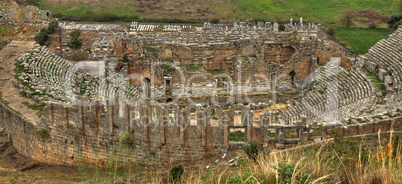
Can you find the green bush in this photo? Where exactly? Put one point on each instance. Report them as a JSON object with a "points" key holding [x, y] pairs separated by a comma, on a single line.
{"points": [[43, 34], [286, 172], [43, 132], [75, 42], [348, 150], [215, 21], [253, 149], [175, 173], [395, 21], [51, 27], [281, 27]]}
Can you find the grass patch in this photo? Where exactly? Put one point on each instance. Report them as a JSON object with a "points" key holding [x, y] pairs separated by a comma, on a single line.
{"points": [[43, 132], [152, 50], [236, 136], [377, 82], [35, 107], [367, 37], [216, 72], [193, 68], [270, 134]]}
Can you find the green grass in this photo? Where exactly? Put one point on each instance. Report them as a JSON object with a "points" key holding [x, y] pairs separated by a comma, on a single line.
{"points": [[367, 37], [270, 134], [377, 82], [236, 136], [193, 68], [215, 72], [316, 11], [35, 107]]}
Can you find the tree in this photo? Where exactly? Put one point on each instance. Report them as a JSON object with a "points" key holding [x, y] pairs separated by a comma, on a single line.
{"points": [[347, 19], [281, 27], [75, 42], [395, 21], [42, 36]]}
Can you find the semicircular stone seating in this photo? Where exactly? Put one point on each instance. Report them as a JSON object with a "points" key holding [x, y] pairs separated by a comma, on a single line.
{"points": [[335, 94], [386, 57], [61, 80]]}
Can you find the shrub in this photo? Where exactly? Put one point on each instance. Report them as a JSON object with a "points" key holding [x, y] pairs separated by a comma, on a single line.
{"points": [[51, 27], [281, 27], [43, 132], [43, 34], [373, 25], [346, 19], [75, 42], [215, 21], [331, 31], [175, 173], [395, 21], [252, 149], [286, 173]]}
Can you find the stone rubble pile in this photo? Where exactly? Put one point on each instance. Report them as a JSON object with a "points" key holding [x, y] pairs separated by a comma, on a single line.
{"points": [[90, 27]]}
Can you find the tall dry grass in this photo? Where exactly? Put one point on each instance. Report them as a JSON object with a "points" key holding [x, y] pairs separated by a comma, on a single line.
{"points": [[343, 160]]}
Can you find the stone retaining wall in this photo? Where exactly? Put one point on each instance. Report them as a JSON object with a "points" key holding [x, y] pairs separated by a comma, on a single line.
{"points": [[91, 134]]}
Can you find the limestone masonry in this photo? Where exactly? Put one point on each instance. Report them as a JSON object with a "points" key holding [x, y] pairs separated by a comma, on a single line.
{"points": [[177, 92]]}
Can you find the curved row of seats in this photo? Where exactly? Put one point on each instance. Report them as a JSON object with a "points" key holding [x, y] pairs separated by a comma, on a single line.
{"points": [[60, 78], [336, 94], [387, 54]]}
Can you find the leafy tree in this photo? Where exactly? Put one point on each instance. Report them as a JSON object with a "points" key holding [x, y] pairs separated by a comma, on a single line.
{"points": [[395, 21], [42, 36], [51, 27], [346, 19], [75, 42]]}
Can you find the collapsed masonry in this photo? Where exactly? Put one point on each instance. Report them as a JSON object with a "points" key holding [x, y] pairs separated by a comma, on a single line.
{"points": [[87, 118]]}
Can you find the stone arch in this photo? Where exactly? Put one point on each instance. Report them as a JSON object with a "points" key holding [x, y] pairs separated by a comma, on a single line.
{"points": [[169, 100], [147, 87], [292, 75]]}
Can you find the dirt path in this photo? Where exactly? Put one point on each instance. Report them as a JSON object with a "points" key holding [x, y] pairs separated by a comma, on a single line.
{"points": [[9, 94]]}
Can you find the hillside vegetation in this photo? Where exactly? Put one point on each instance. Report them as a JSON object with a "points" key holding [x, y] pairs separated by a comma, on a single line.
{"points": [[325, 12]]}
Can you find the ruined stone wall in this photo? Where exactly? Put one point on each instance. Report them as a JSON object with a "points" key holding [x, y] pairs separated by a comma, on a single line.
{"points": [[70, 134], [92, 134], [363, 128]]}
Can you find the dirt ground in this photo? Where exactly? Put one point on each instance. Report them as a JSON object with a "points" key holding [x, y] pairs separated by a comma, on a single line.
{"points": [[9, 94], [15, 168]]}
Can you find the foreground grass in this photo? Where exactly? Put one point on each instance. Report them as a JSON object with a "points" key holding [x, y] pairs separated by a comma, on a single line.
{"points": [[372, 159]]}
